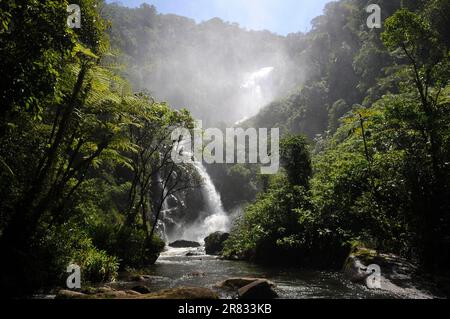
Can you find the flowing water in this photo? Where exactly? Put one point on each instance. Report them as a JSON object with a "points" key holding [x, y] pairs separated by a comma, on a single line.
{"points": [[174, 269], [211, 219], [256, 94]]}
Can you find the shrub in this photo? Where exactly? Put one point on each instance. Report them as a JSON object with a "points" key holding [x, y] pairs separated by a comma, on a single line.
{"points": [[128, 244], [64, 245]]}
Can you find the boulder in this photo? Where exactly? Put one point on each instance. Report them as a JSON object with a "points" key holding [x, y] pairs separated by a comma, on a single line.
{"points": [[355, 267], [355, 270], [141, 289], [116, 294], [95, 290], [214, 243], [184, 244], [193, 254], [183, 293], [260, 289], [237, 283], [188, 293], [104, 290], [132, 293], [136, 278], [69, 294]]}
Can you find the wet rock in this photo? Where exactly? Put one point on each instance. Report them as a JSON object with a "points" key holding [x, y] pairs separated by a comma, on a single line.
{"points": [[237, 283], [132, 293], [193, 254], [69, 294], [184, 244], [188, 293], [355, 270], [141, 289], [259, 289], [137, 278], [104, 290], [119, 294], [397, 276], [214, 243], [182, 293], [95, 290]]}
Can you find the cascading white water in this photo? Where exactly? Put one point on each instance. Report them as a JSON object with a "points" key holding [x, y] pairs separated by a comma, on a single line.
{"points": [[255, 96], [214, 218], [164, 217]]}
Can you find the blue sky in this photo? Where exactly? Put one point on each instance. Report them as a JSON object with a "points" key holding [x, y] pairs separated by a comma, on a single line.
{"points": [[279, 16]]}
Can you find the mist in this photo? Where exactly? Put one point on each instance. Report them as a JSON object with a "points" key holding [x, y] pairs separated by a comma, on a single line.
{"points": [[219, 71]]}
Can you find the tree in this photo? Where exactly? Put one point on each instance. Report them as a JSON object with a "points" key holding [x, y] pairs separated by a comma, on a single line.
{"points": [[152, 163], [419, 45], [295, 158]]}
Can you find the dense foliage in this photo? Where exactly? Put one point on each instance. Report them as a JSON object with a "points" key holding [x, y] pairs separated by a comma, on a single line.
{"points": [[78, 152], [375, 108]]}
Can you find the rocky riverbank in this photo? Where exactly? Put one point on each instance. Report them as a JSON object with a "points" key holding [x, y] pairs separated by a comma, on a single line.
{"points": [[390, 273], [242, 288]]}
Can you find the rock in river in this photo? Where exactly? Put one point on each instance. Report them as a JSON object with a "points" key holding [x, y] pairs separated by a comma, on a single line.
{"points": [[181, 293], [69, 294], [214, 243], [239, 282], [260, 289], [184, 244], [184, 293], [141, 289]]}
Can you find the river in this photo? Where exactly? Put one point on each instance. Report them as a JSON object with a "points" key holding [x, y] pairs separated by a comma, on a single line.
{"points": [[175, 269]]}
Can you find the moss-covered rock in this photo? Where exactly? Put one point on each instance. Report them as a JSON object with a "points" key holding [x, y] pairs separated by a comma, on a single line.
{"points": [[355, 266], [214, 243]]}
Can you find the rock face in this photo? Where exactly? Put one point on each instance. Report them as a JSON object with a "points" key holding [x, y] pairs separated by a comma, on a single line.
{"points": [[184, 244], [259, 289], [397, 276], [214, 243]]}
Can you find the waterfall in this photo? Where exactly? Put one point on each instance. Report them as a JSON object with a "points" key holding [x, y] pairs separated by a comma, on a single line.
{"points": [[256, 93], [164, 218], [214, 218], [164, 213]]}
